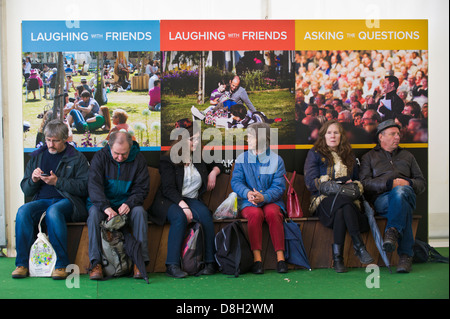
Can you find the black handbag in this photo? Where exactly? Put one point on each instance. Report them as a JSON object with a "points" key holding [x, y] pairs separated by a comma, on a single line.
{"points": [[333, 188]]}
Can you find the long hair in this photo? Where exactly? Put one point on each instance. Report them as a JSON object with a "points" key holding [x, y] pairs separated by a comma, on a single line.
{"points": [[183, 134], [344, 149]]}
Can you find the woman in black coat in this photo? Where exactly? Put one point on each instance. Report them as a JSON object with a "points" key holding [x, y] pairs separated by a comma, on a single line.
{"points": [[184, 179], [332, 160]]}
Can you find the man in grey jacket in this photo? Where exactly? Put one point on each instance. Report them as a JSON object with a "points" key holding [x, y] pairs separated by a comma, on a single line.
{"points": [[56, 177], [392, 178], [239, 94]]}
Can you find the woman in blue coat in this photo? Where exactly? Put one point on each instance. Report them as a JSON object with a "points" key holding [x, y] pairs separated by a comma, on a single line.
{"points": [[332, 159], [258, 180]]}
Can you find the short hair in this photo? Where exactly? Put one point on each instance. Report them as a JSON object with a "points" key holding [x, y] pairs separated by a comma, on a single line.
{"points": [[393, 79], [257, 128], [56, 128], [85, 93], [120, 137]]}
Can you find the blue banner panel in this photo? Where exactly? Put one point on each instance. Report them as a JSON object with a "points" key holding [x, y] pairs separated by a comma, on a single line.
{"points": [[54, 36]]}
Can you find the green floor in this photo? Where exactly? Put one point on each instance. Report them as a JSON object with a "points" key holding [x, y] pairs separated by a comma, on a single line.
{"points": [[426, 281]]}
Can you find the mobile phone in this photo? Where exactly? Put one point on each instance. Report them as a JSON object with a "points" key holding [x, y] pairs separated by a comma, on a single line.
{"points": [[44, 174]]}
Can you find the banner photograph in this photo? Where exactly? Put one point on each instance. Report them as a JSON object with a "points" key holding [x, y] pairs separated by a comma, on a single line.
{"points": [[144, 76]]}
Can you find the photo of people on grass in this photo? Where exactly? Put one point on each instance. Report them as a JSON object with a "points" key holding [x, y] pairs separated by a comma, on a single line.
{"points": [[228, 90], [102, 92], [361, 89]]}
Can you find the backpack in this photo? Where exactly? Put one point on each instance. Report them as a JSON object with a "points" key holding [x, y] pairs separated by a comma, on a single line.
{"points": [[115, 260], [193, 250], [423, 252], [233, 253]]}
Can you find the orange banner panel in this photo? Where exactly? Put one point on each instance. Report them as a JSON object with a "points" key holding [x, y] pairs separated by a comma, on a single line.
{"points": [[224, 35]]}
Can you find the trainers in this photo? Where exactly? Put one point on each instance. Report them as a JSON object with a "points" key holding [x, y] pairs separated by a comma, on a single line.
{"points": [[59, 274], [20, 272], [96, 273], [197, 113], [390, 239], [404, 264]]}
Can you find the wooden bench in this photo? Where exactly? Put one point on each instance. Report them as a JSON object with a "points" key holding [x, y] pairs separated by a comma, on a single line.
{"points": [[317, 239]]}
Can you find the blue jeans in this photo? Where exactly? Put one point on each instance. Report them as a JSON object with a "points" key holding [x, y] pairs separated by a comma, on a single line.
{"points": [[397, 206], [59, 212], [178, 225]]}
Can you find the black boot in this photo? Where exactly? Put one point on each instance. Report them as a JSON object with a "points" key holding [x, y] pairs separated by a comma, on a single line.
{"points": [[338, 259], [360, 250]]}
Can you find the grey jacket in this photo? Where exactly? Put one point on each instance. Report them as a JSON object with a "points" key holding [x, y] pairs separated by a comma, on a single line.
{"points": [[72, 172], [240, 97], [379, 168]]}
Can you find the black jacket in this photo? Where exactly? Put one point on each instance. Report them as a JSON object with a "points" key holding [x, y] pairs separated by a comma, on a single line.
{"points": [[379, 168], [72, 172], [169, 193], [397, 106]]}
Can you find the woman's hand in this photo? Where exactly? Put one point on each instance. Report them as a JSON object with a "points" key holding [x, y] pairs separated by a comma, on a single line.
{"points": [[186, 210], [255, 197], [212, 177]]}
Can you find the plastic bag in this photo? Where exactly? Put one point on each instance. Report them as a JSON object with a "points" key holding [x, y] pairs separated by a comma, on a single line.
{"points": [[228, 208], [42, 255]]}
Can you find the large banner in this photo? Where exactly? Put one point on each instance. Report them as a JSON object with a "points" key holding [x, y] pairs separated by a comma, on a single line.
{"points": [[293, 74], [145, 76]]}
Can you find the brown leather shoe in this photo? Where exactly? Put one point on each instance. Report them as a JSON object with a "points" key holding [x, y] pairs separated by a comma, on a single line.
{"points": [[59, 274], [404, 264], [96, 273], [20, 272], [390, 239], [137, 273]]}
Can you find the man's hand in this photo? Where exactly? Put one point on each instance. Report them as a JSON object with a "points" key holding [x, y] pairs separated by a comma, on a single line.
{"points": [[51, 179], [110, 212], [124, 209], [400, 182], [36, 175]]}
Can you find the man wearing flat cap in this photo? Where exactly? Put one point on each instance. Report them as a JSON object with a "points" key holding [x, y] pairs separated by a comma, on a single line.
{"points": [[392, 178]]}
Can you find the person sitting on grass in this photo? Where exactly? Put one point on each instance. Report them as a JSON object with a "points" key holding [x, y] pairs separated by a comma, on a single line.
{"points": [[120, 118], [86, 114]]}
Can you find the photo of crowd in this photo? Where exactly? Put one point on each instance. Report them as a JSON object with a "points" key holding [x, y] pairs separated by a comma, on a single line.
{"points": [[361, 89]]}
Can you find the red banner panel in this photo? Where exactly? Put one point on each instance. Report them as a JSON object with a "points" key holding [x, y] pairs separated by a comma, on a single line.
{"points": [[223, 35]]}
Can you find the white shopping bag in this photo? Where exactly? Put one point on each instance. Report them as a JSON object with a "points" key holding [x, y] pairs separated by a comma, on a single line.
{"points": [[42, 255], [228, 209]]}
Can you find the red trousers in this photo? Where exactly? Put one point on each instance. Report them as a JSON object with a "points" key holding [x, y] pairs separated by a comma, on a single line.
{"points": [[274, 218]]}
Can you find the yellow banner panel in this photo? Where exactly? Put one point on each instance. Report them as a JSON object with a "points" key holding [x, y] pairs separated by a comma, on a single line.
{"points": [[361, 34]]}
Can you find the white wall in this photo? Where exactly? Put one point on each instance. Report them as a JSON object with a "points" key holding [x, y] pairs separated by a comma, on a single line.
{"points": [[436, 11]]}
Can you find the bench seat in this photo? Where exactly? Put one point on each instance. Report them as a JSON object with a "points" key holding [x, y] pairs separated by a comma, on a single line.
{"points": [[317, 239]]}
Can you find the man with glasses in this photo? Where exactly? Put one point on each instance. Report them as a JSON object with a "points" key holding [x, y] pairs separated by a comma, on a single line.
{"points": [[392, 178], [56, 177]]}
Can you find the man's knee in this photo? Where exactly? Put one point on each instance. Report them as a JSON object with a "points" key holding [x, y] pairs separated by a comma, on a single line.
{"points": [[95, 216], [403, 193], [139, 212]]}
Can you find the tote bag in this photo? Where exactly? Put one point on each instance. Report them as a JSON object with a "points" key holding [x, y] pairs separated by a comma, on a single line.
{"points": [[42, 255]]}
